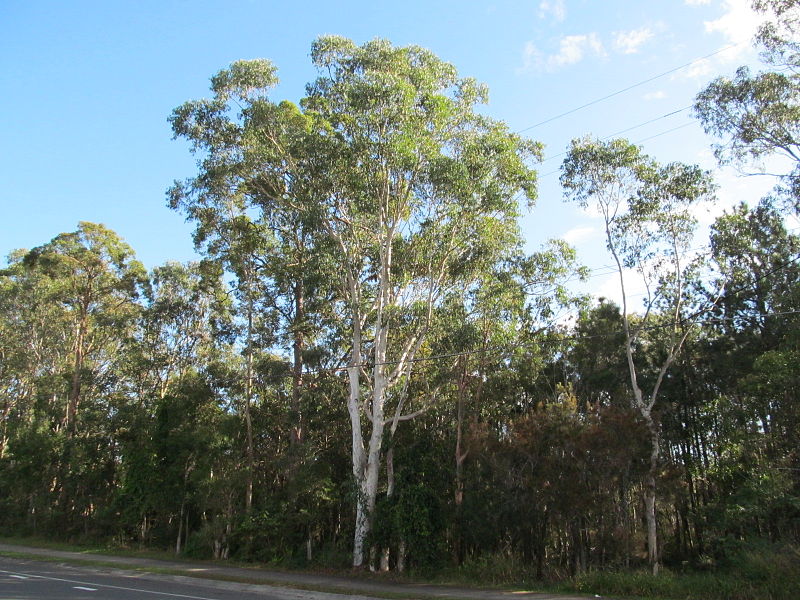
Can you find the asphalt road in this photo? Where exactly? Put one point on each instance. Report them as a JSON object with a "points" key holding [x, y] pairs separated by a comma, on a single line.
{"points": [[23, 579]]}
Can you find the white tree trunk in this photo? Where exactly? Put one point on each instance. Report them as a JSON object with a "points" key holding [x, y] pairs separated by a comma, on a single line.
{"points": [[358, 455], [650, 495], [366, 472], [368, 466]]}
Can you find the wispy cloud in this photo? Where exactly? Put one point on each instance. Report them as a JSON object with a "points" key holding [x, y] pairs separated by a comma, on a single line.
{"points": [[657, 95], [635, 288], [571, 50], [697, 2], [699, 69], [531, 58], [574, 48], [553, 8], [628, 42], [737, 25], [578, 234]]}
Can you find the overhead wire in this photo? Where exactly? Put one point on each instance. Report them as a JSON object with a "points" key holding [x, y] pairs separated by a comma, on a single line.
{"points": [[507, 349], [628, 88], [621, 91], [615, 134], [553, 172]]}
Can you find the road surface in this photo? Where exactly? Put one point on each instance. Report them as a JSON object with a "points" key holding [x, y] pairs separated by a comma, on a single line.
{"points": [[23, 579]]}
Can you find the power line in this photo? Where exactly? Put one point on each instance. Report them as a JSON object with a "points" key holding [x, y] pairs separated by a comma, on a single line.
{"points": [[508, 349], [636, 142], [630, 87], [691, 318], [664, 116], [666, 132], [674, 112]]}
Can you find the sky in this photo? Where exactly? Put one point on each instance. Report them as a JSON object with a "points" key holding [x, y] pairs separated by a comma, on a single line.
{"points": [[86, 88]]}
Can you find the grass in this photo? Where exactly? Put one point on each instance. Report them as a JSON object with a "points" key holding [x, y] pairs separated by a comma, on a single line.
{"points": [[38, 542], [761, 573], [689, 586], [757, 574]]}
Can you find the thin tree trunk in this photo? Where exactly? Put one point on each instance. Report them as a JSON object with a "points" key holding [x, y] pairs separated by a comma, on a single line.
{"points": [[367, 471], [401, 556], [297, 433], [366, 468], [644, 410], [4, 434], [186, 472], [180, 529], [459, 460], [385, 551], [248, 497], [372, 471], [75, 383]]}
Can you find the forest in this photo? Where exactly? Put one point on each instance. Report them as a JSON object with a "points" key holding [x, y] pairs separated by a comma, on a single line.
{"points": [[366, 369]]}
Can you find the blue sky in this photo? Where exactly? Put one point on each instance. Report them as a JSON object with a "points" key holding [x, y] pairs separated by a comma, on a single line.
{"points": [[87, 87]]}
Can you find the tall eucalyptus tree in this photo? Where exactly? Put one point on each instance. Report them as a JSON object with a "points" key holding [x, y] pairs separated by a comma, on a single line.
{"points": [[649, 229], [393, 175], [96, 279]]}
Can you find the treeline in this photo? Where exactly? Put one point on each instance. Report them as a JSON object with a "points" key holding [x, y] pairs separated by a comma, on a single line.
{"points": [[366, 368]]}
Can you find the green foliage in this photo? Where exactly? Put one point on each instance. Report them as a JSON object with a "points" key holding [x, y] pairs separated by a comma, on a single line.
{"points": [[756, 574], [758, 115], [414, 515]]}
